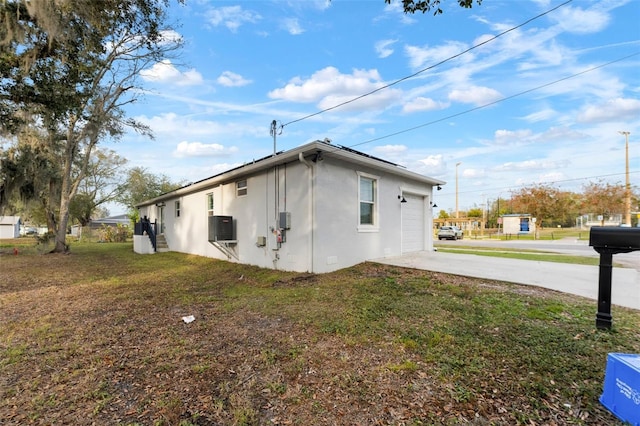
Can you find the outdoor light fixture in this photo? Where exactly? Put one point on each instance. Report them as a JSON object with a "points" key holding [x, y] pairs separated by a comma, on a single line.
{"points": [[401, 198], [438, 187]]}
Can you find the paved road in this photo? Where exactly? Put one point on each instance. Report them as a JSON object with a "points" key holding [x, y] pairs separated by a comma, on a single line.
{"points": [[572, 246], [580, 280]]}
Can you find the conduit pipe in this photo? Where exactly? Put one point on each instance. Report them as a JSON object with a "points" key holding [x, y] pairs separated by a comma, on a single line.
{"points": [[311, 211]]}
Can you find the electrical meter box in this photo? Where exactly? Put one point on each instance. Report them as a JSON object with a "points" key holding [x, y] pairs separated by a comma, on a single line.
{"points": [[285, 220], [220, 228]]}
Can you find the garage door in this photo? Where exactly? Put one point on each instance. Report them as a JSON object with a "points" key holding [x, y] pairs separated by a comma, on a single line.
{"points": [[413, 223]]}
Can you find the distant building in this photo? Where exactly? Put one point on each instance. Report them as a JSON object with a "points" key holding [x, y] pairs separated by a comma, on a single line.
{"points": [[586, 221], [518, 224], [9, 227]]}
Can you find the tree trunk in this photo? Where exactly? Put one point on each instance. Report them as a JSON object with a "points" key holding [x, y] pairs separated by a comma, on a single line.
{"points": [[61, 234], [66, 193]]}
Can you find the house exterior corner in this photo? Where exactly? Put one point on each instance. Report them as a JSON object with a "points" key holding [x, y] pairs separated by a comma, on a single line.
{"points": [[316, 208]]}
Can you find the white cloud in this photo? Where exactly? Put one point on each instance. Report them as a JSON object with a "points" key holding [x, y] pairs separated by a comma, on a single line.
{"points": [[394, 10], [390, 149], [528, 165], [199, 149], [292, 26], [170, 36], [421, 56], [551, 55], [165, 72], [325, 82], [542, 115], [374, 102], [171, 126], [434, 161], [552, 177], [383, 48], [329, 87], [476, 95], [231, 79], [614, 110], [473, 173], [423, 104], [580, 21], [505, 137], [231, 17]]}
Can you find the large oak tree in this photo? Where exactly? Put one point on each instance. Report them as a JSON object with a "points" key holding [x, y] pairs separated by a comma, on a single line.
{"points": [[67, 69]]}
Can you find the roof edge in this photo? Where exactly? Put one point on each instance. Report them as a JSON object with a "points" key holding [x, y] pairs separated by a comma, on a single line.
{"points": [[282, 157]]}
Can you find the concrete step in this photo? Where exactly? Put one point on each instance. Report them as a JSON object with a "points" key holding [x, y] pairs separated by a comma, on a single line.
{"points": [[161, 244]]}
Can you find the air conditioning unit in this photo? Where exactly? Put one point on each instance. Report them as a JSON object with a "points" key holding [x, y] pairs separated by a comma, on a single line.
{"points": [[220, 228]]}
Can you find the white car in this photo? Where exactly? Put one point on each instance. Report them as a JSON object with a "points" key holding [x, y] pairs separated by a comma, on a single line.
{"points": [[450, 233]]}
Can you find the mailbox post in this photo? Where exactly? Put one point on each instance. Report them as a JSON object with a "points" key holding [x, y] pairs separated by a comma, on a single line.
{"points": [[610, 240]]}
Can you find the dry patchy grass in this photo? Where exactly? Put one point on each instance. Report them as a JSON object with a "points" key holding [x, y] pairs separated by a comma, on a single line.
{"points": [[96, 337]]}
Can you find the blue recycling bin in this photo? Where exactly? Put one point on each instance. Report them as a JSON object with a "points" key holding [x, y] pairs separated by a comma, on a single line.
{"points": [[621, 390]]}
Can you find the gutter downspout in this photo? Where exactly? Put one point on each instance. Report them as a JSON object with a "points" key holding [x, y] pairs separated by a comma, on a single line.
{"points": [[311, 211]]}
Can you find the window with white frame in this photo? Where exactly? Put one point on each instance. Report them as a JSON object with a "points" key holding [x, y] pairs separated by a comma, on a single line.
{"points": [[241, 188], [368, 201], [210, 204], [177, 208]]}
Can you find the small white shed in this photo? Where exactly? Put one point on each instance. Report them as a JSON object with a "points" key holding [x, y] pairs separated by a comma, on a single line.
{"points": [[317, 208], [518, 224], [9, 227]]}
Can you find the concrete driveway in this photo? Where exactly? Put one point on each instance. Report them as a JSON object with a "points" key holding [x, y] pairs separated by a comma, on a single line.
{"points": [[580, 280]]}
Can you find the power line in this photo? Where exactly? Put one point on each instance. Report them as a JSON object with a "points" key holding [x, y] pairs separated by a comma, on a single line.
{"points": [[502, 100], [497, 101], [429, 67], [337, 148], [551, 183]]}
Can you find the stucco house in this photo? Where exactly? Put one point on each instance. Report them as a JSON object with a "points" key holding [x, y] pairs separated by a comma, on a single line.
{"points": [[9, 227], [316, 208]]}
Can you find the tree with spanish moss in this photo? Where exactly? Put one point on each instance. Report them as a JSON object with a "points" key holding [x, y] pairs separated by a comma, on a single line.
{"points": [[67, 70]]}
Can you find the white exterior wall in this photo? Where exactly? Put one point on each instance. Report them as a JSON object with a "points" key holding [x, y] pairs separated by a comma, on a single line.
{"points": [[282, 188], [324, 206], [511, 224], [10, 227], [339, 241]]}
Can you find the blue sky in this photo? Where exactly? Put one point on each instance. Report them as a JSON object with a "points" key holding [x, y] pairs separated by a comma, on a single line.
{"points": [[543, 103]]}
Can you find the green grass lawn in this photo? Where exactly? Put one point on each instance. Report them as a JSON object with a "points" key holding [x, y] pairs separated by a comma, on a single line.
{"points": [[522, 254], [541, 234], [96, 337]]}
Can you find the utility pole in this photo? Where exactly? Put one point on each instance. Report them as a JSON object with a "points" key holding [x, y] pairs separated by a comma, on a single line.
{"points": [[627, 190], [274, 132]]}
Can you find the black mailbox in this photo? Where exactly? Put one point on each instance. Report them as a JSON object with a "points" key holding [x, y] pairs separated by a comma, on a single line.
{"points": [[610, 240], [615, 239]]}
